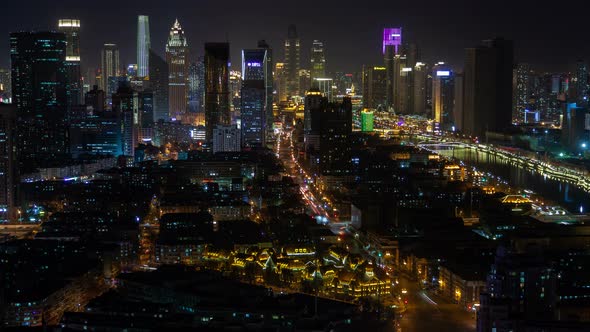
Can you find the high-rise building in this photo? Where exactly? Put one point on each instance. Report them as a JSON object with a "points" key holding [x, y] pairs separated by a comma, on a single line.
{"points": [[253, 98], [217, 111], [71, 28], [521, 93], [443, 96], [304, 80], [367, 120], [126, 108], [280, 82], [582, 83], [159, 85], [488, 87], [98, 134], [318, 60], [143, 46], [335, 130], [314, 104], [374, 87], [5, 86], [392, 37], [226, 139], [325, 85], [403, 80], [110, 70], [8, 169], [459, 93], [420, 76], [292, 62], [268, 84], [177, 59], [196, 79], [575, 133], [39, 85], [235, 91], [95, 100]]}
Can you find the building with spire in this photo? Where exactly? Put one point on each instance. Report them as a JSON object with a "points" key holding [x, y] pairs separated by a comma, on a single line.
{"points": [[178, 65], [143, 46]]}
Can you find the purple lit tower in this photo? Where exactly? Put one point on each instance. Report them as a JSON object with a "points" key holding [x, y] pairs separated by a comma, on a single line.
{"points": [[392, 36]]}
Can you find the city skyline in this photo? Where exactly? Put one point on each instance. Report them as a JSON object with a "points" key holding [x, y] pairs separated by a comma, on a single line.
{"points": [[362, 27]]}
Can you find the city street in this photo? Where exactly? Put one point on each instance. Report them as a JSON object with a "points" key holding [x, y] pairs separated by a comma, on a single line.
{"points": [[431, 313]]}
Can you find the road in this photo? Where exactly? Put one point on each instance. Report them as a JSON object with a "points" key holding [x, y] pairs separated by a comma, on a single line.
{"points": [[426, 312]]}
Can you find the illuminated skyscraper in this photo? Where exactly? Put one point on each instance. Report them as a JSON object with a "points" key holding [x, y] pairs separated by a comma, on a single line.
{"points": [[177, 59], [110, 70], [143, 46], [335, 130], [443, 96], [216, 87], [318, 60], [126, 108], [521, 93], [392, 37], [292, 62], [488, 87], [420, 77], [39, 85], [304, 80], [71, 28], [196, 78], [253, 97], [582, 83], [5, 86]]}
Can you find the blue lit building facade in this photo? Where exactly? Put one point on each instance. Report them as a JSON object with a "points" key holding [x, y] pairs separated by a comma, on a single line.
{"points": [[253, 97]]}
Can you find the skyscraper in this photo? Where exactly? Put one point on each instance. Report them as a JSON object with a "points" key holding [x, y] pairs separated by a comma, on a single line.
{"points": [[392, 37], [7, 162], [582, 83], [177, 59], [126, 108], [335, 129], [268, 84], [143, 46], [292, 62], [216, 87], [488, 87], [443, 96], [226, 139], [314, 103], [39, 84], [159, 85], [110, 69], [71, 28], [253, 98], [522, 91], [420, 77], [318, 60], [374, 87], [196, 78], [5, 86]]}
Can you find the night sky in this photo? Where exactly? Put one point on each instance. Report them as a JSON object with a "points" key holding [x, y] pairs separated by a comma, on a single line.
{"points": [[550, 36]]}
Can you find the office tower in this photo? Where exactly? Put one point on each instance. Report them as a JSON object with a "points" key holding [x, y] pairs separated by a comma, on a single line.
{"points": [[126, 108], [443, 96], [318, 60], [268, 84], [392, 40], [196, 79], [374, 87], [226, 139], [177, 59], [304, 80], [98, 134], [403, 79], [367, 120], [392, 37], [7, 163], [335, 129], [292, 62], [420, 79], [146, 99], [314, 103], [325, 85], [216, 86], [71, 28], [39, 83], [143, 46], [95, 99], [109, 70], [5, 86], [253, 98], [235, 90], [575, 135], [459, 94], [280, 82], [521, 93], [488, 87], [159, 85], [582, 83]]}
